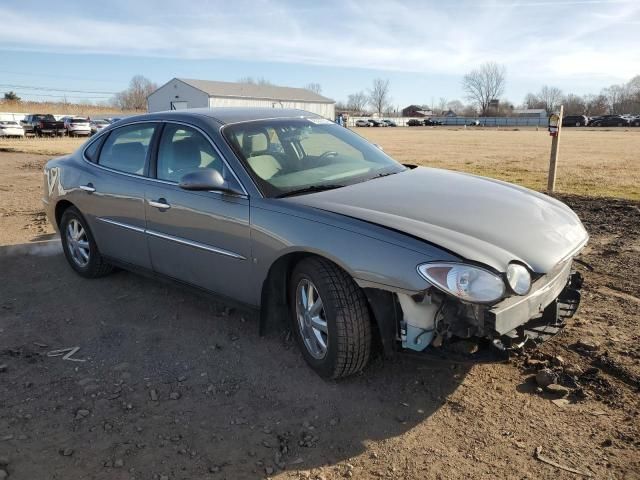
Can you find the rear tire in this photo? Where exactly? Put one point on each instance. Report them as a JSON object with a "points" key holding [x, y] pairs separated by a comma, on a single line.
{"points": [[80, 247], [341, 346]]}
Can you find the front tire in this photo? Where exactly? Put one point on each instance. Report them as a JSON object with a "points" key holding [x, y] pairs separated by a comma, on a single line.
{"points": [[80, 247], [330, 318]]}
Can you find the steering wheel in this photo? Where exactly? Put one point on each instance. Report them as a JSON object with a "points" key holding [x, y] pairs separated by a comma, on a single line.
{"points": [[327, 154]]}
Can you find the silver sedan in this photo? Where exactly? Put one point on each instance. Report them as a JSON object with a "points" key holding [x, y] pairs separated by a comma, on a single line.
{"points": [[290, 215]]}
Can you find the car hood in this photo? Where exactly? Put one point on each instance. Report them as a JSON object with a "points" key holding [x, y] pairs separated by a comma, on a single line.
{"points": [[477, 218]]}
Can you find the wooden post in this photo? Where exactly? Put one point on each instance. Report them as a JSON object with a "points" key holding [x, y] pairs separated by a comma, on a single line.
{"points": [[553, 160]]}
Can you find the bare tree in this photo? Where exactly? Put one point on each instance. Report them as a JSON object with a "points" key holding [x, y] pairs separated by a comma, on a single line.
{"points": [[379, 97], [469, 111], [135, 97], [574, 104], [596, 105], [550, 98], [442, 105], [314, 87], [532, 101], [484, 84], [357, 102], [455, 106]]}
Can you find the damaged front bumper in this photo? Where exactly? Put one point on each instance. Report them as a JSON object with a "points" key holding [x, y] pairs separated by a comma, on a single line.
{"points": [[434, 320]]}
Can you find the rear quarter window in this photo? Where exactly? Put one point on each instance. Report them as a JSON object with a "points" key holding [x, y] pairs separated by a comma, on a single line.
{"points": [[92, 151]]}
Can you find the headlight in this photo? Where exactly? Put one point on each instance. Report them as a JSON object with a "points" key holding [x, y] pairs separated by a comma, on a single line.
{"points": [[519, 278], [470, 283]]}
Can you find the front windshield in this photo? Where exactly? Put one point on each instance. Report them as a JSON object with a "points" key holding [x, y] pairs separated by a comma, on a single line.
{"points": [[286, 156]]}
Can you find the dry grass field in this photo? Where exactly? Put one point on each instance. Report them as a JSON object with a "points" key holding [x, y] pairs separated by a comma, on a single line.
{"points": [[61, 108], [592, 162]]}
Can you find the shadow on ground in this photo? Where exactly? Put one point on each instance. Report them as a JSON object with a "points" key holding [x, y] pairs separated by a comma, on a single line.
{"points": [[172, 383]]}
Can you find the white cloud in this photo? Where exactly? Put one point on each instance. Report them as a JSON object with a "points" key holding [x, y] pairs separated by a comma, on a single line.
{"points": [[546, 40]]}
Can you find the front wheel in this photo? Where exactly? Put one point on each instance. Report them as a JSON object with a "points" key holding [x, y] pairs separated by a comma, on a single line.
{"points": [[330, 318], [80, 247]]}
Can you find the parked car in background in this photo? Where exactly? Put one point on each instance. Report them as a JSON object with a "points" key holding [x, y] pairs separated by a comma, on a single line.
{"points": [[77, 126], [610, 121], [325, 231], [389, 123], [40, 124], [575, 121], [431, 123], [97, 125], [374, 122], [414, 122], [635, 121], [10, 128], [362, 123]]}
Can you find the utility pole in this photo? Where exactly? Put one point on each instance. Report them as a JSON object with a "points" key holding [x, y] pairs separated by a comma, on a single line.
{"points": [[555, 128]]}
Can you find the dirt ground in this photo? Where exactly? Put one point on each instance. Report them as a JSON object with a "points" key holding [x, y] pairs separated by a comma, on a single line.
{"points": [[168, 384]]}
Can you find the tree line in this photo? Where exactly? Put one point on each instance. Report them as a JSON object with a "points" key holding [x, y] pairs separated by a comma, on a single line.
{"points": [[483, 88]]}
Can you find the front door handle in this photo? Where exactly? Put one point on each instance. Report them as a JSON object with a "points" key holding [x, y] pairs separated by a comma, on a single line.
{"points": [[88, 188], [161, 204]]}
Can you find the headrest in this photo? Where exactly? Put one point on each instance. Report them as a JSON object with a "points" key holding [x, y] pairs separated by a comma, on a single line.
{"points": [[129, 156], [254, 142], [186, 154]]}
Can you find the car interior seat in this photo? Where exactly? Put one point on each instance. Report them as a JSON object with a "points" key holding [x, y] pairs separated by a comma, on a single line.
{"points": [[128, 157], [255, 146]]}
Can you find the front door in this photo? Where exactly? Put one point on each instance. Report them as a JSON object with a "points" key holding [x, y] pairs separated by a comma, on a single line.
{"points": [[202, 238]]}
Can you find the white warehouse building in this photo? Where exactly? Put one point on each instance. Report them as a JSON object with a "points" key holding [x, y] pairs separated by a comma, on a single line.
{"points": [[180, 93]]}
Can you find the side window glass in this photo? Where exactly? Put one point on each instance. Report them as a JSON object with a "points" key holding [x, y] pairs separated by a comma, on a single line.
{"points": [[183, 150], [92, 150], [126, 148]]}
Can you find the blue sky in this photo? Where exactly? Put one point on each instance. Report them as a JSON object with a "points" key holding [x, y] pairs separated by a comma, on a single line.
{"points": [[423, 47]]}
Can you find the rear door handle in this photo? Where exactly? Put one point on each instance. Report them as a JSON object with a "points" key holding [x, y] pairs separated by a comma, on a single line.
{"points": [[161, 204], [88, 188]]}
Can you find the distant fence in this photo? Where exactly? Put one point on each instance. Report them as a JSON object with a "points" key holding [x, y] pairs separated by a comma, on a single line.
{"points": [[461, 121]]}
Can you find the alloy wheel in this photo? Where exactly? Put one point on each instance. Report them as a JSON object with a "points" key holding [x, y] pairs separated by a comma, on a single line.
{"points": [[78, 243], [312, 321]]}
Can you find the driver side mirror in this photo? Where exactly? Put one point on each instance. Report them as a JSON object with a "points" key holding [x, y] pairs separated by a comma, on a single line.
{"points": [[207, 179]]}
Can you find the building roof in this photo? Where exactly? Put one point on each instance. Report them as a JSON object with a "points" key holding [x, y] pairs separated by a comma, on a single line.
{"points": [[251, 90]]}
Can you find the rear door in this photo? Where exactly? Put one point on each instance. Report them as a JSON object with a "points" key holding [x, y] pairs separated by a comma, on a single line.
{"points": [[202, 238], [113, 193]]}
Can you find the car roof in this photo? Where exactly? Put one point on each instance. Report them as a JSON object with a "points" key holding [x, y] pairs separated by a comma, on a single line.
{"points": [[228, 115]]}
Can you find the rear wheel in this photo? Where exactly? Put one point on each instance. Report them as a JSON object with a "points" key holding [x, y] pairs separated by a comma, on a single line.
{"points": [[330, 318], [80, 247]]}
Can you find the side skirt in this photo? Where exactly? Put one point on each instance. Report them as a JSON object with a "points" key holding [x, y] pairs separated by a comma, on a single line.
{"points": [[250, 310]]}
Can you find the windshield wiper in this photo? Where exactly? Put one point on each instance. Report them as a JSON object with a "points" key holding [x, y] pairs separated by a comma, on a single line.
{"points": [[310, 189], [384, 174]]}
